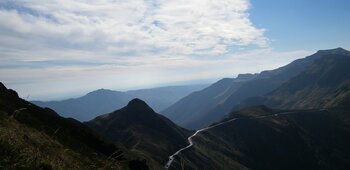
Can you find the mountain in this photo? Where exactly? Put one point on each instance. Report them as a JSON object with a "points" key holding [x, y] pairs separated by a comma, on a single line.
{"points": [[307, 129], [137, 127], [36, 138], [304, 125], [193, 116], [287, 139], [191, 108], [88, 106], [324, 84], [104, 101]]}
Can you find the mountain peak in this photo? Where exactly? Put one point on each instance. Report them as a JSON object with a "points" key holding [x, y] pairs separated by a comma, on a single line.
{"points": [[137, 103], [100, 91], [2, 87], [339, 51], [245, 77]]}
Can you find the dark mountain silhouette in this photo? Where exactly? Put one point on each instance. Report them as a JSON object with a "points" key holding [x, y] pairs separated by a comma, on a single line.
{"points": [[139, 128], [185, 113], [301, 139], [36, 138], [104, 101], [324, 84]]}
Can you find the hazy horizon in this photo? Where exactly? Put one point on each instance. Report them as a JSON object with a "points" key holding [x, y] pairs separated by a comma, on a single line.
{"points": [[77, 94]]}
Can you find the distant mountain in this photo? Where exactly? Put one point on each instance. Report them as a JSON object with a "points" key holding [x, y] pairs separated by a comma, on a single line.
{"points": [[87, 107], [191, 115], [304, 139], [190, 109], [137, 127], [103, 101], [36, 138], [324, 84]]}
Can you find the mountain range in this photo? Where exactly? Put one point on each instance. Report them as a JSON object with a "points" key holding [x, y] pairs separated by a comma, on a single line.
{"points": [[307, 129], [103, 101], [293, 117], [192, 115]]}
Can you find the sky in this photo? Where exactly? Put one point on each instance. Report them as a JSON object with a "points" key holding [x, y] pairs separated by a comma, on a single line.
{"points": [[55, 49]]}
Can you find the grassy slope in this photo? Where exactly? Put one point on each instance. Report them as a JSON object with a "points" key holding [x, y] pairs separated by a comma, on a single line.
{"points": [[25, 147]]}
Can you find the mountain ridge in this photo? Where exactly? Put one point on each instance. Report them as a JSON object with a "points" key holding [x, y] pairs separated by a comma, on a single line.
{"points": [[324, 84]]}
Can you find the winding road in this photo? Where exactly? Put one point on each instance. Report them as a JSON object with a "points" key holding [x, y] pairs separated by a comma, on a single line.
{"points": [[172, 157]]}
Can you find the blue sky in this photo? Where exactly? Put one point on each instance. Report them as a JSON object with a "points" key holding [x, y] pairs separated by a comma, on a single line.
{"points": [[303, 24], [54, 49]]}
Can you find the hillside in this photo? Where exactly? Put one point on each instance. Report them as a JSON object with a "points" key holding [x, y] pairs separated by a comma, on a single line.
{"points": [[308, 129], [36, 138], [190, 109], [299, 139], [325, 84], [137, 127]]}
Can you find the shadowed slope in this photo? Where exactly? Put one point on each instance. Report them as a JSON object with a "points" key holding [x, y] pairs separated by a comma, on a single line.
{"points": [[304, 139]]}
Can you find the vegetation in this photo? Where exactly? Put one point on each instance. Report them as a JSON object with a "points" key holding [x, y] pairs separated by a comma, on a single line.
{"points": [[310, 139], [36, 138], [22, 147]]}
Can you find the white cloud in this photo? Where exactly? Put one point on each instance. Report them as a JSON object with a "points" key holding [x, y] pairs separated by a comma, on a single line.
{"points": [[142, 26], [54, 46]]}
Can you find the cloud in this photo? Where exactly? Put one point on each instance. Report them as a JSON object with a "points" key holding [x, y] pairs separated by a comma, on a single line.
{"points": [[59, 44], [130, 27]]}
